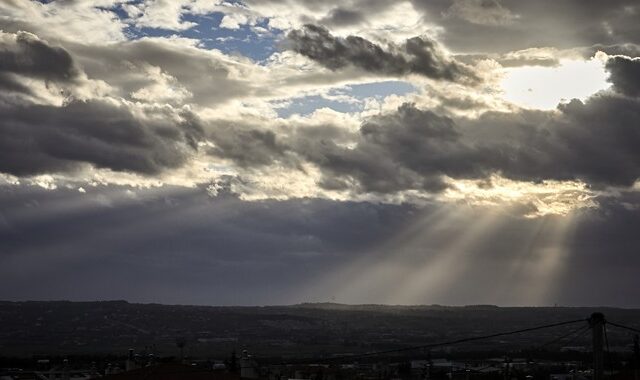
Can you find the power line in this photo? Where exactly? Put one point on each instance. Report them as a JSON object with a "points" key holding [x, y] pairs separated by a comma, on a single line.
{"points": [[606, 340], [623, 326], [580, 330], [457, 341]]}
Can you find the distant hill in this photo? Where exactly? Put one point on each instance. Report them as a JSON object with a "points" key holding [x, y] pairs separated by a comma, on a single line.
{"points": [[382, 307]]}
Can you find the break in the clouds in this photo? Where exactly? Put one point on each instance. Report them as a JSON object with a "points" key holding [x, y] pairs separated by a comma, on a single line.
{"points": [[376, 126]]}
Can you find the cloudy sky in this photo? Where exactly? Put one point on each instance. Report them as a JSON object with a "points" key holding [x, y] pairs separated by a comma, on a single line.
{"points": [[357, 151]]}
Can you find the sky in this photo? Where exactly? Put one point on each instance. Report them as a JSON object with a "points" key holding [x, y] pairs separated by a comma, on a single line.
{"points": [[259, 152]]}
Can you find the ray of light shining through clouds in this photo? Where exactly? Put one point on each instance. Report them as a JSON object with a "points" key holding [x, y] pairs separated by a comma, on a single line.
{"points": [[261, 152]]}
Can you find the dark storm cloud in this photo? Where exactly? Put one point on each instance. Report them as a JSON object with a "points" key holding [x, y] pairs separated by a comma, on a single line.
{"points": [[26, 55], [249, 145], [625, 75], [36, 139], [342, 16], [408, 149], [592, 141], [604, 244], [176, 245], [244, 145], [418, 55]]}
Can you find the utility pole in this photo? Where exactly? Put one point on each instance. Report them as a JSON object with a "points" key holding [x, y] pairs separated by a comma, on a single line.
{"points": [[636, 356], [507, 368], [597, 328]]}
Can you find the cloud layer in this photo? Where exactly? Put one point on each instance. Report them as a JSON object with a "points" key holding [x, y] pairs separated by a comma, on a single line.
{"points": [[591, 142], [176, 245]]}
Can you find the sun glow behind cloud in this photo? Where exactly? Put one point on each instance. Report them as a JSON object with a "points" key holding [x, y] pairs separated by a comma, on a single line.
{"points": [[534, 199], [543, 88]]}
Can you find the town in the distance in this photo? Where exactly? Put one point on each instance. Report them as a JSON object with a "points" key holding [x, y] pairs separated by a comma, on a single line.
{"points": [[121, 340]]}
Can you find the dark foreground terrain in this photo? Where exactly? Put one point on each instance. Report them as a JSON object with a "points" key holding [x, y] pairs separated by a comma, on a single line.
{"points": [[307, 330]]}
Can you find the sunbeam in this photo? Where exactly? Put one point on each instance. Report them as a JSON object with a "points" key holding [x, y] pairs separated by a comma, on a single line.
{"points": [[437, 273], [548, 261], [371, 273]]}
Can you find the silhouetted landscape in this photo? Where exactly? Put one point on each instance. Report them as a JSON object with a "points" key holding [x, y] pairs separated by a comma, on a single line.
{"points": [[307, 330], [110, 336]]}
